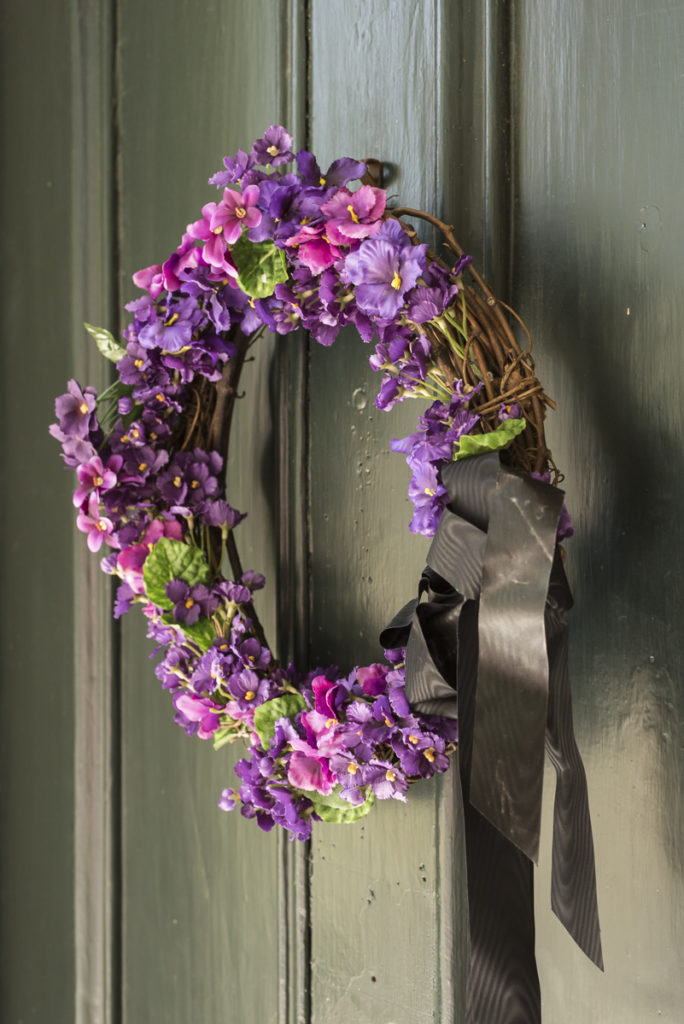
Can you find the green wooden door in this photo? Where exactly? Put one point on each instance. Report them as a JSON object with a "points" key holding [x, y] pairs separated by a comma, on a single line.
{"points": [[550, 135]]}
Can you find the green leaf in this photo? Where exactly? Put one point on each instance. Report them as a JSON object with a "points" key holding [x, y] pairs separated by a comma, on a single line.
{"points": [[202, 632], [334, 809], [227, 734], [172, 560], [478, 444], [114, 392], [107, 344], [266, 715], [261, 266]]}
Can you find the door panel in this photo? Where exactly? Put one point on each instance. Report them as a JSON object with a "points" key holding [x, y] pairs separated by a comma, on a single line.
{"points": [[599, 221]]}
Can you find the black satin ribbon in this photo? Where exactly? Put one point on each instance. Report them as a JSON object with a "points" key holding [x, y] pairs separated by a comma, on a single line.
{"points": [[489, 645]]}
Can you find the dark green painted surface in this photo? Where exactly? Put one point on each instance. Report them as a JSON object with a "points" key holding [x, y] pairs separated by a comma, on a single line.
{"points": [[125, 895], [378, 937], [599, 228], [200, 891]]}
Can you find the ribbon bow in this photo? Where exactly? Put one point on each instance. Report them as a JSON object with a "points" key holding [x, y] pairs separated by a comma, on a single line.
{"points": [[489, 646]]}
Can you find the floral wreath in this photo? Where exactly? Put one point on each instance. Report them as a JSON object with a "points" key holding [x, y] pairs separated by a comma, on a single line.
{"points": [[285, 248]]}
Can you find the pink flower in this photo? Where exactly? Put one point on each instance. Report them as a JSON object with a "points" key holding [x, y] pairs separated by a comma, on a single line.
{"points": [[215, 253], [314, 251], [96, 526], [233, 211], [201, 710], [310, 773], [130, 562], [354, 214], [93, 475], [150, 280]]}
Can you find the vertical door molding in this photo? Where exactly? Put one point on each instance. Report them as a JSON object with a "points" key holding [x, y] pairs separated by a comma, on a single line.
{"points": [[94, 259], [293, 641]]}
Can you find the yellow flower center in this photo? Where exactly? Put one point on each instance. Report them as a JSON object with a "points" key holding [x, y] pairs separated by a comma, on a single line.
{"points": [[159, 397], [430, 754], [249, 695], [101, 525], [176, 481], [272, 151], [329, 724], [83, 408], [352, 214], [194, 484], [138, 363], [142, 467], [396, 281], [321, 180], [218, 230], [125, 438], [153, 436], [387, 721], [353, 768], [390, 775], [240, 212], [189, 602], [135, 433], [171, 320], [430, 491], [413, 739], [97, 481]]}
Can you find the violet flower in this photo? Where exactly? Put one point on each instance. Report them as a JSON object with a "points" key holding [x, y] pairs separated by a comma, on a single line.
{"points": [[274, 148], [384, 268]]}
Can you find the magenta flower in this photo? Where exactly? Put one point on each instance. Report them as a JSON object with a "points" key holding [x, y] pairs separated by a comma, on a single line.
{"points": [[93, 475], [129, 566], [200, 710], [314, 251], [307, 772], [372, 679], [234, 211], [150, 280], [214, 251], [325, 695], [353, 215], [97, 527]]}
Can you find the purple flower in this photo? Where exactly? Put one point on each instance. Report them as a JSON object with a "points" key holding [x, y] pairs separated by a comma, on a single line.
{"points": [[386, 780], [75, 411], [510, 411], [189, 602], [338, 174], [384, 268], [235, 168], [219, 513], [228, 800], [274, 148]]}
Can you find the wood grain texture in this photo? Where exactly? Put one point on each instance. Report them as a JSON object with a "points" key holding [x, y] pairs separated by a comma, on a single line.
{"points": [[37, 625], [201, 890], [380, 949], [599, 223]]}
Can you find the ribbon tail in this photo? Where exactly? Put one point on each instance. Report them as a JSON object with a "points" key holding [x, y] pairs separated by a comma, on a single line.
{"points": [[512, 685], [573, 872]]}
